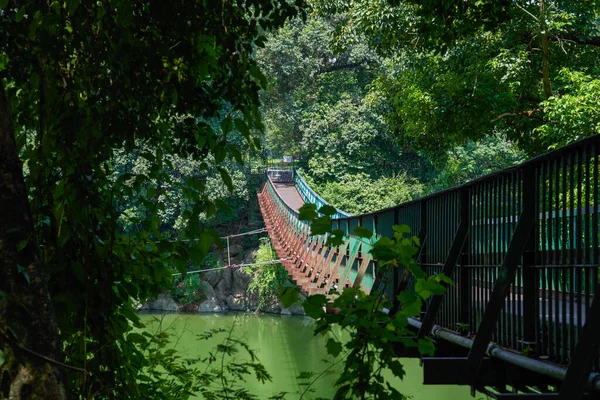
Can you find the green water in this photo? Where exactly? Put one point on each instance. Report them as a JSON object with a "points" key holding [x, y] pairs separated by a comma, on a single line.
{"points": [[286, 346]]}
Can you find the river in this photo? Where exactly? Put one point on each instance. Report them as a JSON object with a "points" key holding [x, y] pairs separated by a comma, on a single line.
{"points": [[286, 347]]}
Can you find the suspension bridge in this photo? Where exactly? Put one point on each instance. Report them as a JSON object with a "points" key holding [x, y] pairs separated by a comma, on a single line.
{"points": [[522, 320]]}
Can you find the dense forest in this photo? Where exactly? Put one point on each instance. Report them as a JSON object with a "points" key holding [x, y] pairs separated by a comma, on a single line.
{"points": [[384, 104], [131, 134]]}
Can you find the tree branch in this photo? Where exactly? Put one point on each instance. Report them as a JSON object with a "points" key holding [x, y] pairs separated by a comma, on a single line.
{"points": [[527, 113], [576, 39]]}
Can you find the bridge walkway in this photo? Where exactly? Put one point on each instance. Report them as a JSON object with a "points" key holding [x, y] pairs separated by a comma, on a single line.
{"points": [[289, 193]]}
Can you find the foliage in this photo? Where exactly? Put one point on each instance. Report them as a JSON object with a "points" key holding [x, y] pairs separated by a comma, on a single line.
{"points": [[317, 105], [188, 290], [85, 78], [359, 193], [475, 159], [374, 330], [575, 114], [267, 279], [171, 192], [462, 70]]}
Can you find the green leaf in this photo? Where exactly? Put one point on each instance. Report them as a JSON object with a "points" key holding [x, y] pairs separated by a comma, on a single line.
{"points": [[205, 240], [313, 305], [2, 357], [363, 232], [223, 206], [426, 346], [72, 6], [384, 249], [21, 245], [21, 270], [136, 338], [226, 125], [307, 212], [258, 76], [288, 296], [441, 277], [333, 347], [3, 5], [242, 128], [417, 240], [401, 228], [2, 294], [20, 14], [327, 210], [336, 238], [321, 225], [411, 304], [226, 178]]}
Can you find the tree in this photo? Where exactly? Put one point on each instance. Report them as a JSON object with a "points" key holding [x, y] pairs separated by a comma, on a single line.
{"points": [[461, 70], [81, 80]]}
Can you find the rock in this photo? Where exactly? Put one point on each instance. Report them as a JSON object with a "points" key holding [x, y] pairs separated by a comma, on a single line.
{"points": [[240, 281], [223, 288], [296, 309], [213, 277], [286, 311], [251, 301], [249, 257], [234, 249], [274, 307], [163, 302], [235, 303], [209, 306], [209, 292], [189, 308]]}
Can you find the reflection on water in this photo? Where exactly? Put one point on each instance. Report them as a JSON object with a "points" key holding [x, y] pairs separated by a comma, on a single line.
{"points": [[286, 347]]}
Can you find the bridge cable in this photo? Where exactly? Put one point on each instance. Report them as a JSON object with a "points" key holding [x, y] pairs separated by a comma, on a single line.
{"points": [[233, 266]]}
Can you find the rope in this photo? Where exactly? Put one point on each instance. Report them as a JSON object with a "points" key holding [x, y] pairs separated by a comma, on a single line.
{"points": [[233, 266], [261, 230], [254, 232]]}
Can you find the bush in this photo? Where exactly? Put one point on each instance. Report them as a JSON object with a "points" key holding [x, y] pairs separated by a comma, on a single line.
{"points": [[267, 279], [188, 290], [359, 193]]}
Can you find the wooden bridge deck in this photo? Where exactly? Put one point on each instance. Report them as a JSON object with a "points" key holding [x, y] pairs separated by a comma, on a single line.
{"points": [[289, 194]]}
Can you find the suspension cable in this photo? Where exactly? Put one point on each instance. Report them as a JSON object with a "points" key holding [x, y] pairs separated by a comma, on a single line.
{"points": [[234, 266]]}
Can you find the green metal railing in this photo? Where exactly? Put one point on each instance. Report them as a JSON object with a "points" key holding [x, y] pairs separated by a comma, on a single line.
{"points": [[526, 245], [309, 196]]}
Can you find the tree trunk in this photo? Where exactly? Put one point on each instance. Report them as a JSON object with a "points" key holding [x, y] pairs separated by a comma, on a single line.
{"points": [[28, 334]]}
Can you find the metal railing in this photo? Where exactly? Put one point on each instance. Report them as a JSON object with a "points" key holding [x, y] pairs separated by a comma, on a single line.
{"points": [[310, 196], [522, 246]]}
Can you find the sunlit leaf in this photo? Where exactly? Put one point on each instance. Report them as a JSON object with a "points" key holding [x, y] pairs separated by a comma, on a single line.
{"points": [[363, 232], [327, 210], [307, 212]]}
